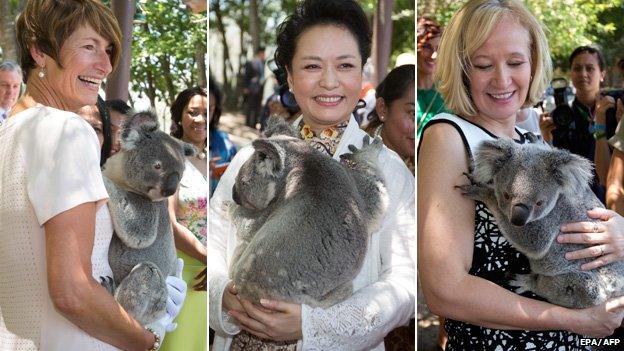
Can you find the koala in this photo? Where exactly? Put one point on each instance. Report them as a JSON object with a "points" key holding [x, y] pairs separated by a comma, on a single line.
{"points": [[138, 180], [303, 220], [531, 190]]}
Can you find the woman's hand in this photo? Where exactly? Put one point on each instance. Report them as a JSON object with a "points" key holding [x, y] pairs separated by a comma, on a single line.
{"points": [[605, 238], [603, 103], [230, 300], [200, 281], [274, 320], [547, 125], [600, 321]]}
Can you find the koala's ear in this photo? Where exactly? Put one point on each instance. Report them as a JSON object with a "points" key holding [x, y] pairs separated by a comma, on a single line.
{"points": [[188, 149], [571, 171], [145, 120], [278, 126], [270, 157], [491, 157]]}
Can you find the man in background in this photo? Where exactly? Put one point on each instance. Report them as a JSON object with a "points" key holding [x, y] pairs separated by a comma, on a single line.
{"points": [[253, 83], [10, 84]]}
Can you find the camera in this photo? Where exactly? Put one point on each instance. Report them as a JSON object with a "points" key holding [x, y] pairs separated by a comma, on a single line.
{"points": [[615, 94], [562, 115]]}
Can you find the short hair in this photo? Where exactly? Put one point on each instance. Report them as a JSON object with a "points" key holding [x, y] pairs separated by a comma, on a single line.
{"points": [[215, 90], [118, 105], [469, 28], [48, 23], [347, 14], [10, 66], [589, 50], [426, 29], [178, 106]]}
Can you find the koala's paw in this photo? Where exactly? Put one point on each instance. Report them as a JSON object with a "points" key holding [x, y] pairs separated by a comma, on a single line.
{"points": [[108, 283], [522, 282], [367, 154]]}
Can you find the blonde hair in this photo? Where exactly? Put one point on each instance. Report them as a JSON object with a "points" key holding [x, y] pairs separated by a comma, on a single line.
{"points": [[469, 28], [48, 23]]}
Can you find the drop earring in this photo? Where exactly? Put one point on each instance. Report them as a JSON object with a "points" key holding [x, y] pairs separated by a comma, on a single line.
{"points": [[42, 72]]}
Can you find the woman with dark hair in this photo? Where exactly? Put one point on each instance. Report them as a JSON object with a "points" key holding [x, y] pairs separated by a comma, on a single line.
{"points": [[187, 212], [393, 116], [222, 150], [322, 47]]}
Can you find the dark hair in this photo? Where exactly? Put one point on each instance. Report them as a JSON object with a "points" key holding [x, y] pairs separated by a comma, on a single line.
{"points": [[392, 88], [426, 29], [260, 49], [118, 105], [178, 106], [215, 90], [106, 130], [620, 63], [309, 13], [589, 50]]}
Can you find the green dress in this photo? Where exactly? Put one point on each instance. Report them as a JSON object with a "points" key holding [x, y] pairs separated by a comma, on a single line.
{"points": [[190, 335], [430, 103]]}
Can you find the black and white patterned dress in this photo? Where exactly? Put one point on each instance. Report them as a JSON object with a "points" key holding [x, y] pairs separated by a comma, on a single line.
{"points": [[494, 259]]}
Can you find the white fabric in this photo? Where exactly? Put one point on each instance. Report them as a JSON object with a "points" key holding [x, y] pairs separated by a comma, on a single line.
{"points": [[49, 163], [384, 287], [531, 122]]}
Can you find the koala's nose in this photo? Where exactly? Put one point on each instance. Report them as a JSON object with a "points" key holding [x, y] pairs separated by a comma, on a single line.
{"points": [[520, 214], [171, 184]]}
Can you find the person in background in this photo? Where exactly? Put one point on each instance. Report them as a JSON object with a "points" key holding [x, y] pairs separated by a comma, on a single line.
{"points": [[590, 127], [221, 149], [430, 102], [253, 82], [496, 61], [91, 114], [187, 212], [53, 192], [118, 111], [10, 84], [393, 117]]}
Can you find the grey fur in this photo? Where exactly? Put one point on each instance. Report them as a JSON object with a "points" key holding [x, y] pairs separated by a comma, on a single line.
{"points": [[532, 190], [303, 220], [138, 180]]}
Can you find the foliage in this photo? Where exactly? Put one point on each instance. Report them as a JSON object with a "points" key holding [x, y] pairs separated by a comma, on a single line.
{"points": [[164, 49], [568, 23]]}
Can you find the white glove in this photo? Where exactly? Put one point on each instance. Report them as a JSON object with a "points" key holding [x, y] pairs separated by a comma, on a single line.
{"points": [[177, 293]]}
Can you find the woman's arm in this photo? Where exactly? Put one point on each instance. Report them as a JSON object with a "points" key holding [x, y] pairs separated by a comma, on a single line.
{"points": [[75, 294], [445, 244], [184, 239], [602, 154], [615, 182]]}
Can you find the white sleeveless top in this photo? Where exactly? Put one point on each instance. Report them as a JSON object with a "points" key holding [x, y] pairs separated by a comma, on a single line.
{"points": [[49, 163]]}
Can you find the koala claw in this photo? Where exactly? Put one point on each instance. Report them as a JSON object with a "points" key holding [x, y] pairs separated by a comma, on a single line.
{"points": [[521, 282], [108, 283]]}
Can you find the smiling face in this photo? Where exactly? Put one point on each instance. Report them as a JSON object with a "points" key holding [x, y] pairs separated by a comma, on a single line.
{"points": [[501, 71], [426, 57], [85, 57], [10, 83], [398, 129], [586, 74], [194, 120], [326, 79]]}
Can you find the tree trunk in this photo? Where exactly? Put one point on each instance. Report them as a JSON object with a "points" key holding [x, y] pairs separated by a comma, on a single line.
{"points": [[227, 63], [382, 39], [151, 89], [7, 32], [254, 25], [165, 69], [118, 81], [200, 58]]}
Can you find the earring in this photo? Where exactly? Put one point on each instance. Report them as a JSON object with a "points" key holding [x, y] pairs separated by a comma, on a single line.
{"points": [[42, 72], [381, 118], [290, 90]]}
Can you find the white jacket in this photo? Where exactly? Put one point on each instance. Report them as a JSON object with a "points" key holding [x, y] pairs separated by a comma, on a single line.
{"points": [[384, 296]]}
